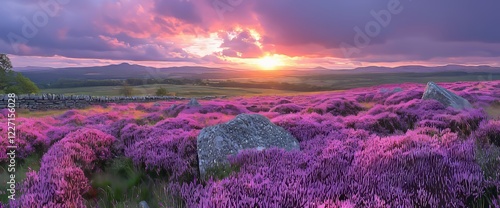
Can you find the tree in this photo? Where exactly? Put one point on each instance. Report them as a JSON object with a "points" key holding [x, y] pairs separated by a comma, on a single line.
{"points": [[5, 64], [22, 85], [5, 69], [161, 91], [14, 82], [127, 90], [4, 79]]}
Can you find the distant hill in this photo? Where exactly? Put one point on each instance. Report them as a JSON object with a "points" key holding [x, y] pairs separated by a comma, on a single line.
{"points": [[118, 71], [44, 75], [425, 69], [31, 68]]}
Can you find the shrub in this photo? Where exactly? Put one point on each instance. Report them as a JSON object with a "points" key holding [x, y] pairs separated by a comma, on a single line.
{"points": [[284, 101], [152, 109], [30, 137], [130, 134], [463, 122], [185, 124], [174, 153], [56, 133], [161, 91], [302, 127], [127, 90], [401, 171], [104, 118], [140, 107], [265, 178], [384, 123], [228, 109], [61, 181], [153, 118], [404, 96], [414, 168], [115, 129], [366, 97], [337, 107], [74, 120], [488, 133], [68, 114], [286, 108], [257, 109], [4, 113]]}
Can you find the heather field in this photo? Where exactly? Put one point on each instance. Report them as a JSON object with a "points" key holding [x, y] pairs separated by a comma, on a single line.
{"points": [[368, 147]]}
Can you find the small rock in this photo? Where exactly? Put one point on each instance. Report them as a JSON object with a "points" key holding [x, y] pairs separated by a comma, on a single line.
{"points": [[383, 90], [397, 89], [444, 96], [173, 106], [193, 102], [143, 204]]}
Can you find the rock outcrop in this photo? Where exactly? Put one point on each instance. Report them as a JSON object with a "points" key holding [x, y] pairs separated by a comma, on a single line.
{"points": [[193, 102], [444, 96], [246, 131]]}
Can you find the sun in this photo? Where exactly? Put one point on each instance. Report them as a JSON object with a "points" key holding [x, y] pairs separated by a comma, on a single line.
{"points": [[269, 62]]}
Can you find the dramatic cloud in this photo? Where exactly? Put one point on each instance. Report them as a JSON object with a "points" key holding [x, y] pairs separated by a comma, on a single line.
{"points": [[215, 31]]}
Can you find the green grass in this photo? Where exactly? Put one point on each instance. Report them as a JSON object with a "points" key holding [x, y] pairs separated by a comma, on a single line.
{"points": [[493, 110], [487, 157], [222, 171], [25, 113], [348, 81], [121, 184], [32, 162], [178, 90]]}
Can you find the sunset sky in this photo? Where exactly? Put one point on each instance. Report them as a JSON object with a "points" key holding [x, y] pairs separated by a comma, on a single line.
{"points": [[250, 33]]}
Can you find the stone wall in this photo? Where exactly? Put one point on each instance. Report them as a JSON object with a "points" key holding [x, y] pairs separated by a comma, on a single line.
{"points": [[55, 101]]}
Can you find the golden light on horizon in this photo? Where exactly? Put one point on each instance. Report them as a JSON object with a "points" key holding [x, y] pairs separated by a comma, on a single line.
{"points": [[269, 62]]}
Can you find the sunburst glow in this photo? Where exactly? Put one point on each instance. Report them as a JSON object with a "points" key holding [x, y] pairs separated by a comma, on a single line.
{"points": [[269, 62]]}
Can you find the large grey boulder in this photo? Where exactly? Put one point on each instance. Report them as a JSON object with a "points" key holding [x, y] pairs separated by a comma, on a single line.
{"points": [[246, 131], [444, 96]]}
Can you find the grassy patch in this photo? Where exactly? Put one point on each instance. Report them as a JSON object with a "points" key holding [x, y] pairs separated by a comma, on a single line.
{"points": [[222, 172], [178, 90], [121, 184], [367, 105], [488, 158], [30, 163], [37, 114], [493, 110]]}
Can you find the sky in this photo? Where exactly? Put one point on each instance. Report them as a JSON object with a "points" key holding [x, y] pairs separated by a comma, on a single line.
{"points": [[254, 34]]}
